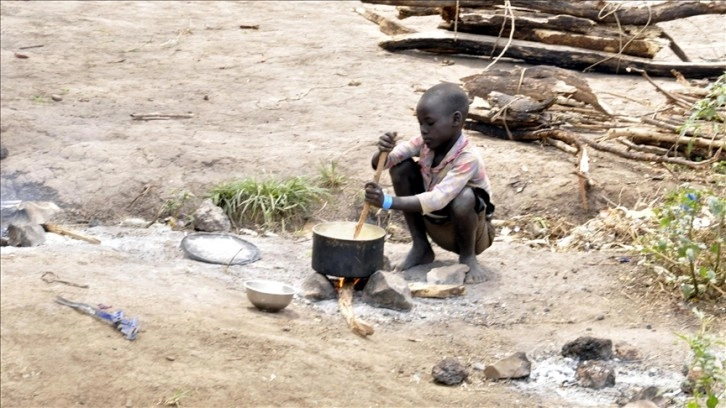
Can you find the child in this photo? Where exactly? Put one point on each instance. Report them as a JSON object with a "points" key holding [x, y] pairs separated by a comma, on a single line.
{"points": [[445, 193]]}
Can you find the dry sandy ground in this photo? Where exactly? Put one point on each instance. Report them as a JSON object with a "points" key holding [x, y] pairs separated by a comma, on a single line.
{"points": [[309, 86]]}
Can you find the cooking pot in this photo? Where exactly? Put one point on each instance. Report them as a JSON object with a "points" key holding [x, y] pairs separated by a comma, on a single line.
{"points": [[337, 253]]}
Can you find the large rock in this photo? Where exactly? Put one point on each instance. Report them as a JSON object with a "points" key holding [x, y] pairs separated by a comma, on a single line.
{"points": [[317, 287], [388, 290], [26, 235], [449, 372], [211, 218], [515, 366], [595, 374], [448, 275], [589, 348]]}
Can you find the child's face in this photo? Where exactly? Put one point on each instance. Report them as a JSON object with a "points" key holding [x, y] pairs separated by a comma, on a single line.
{"points": [[438, 127]]}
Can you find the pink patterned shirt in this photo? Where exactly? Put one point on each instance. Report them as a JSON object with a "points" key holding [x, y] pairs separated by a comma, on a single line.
{"points": [[461, 167]]}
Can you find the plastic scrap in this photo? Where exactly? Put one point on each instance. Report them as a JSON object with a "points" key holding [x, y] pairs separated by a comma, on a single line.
{"points": [[128, 327]]}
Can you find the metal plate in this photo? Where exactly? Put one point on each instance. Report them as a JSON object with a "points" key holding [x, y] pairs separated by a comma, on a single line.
{"points": [[217, 248]]}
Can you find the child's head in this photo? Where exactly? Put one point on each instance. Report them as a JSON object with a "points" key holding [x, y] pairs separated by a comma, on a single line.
{"points": [[441, 112]]}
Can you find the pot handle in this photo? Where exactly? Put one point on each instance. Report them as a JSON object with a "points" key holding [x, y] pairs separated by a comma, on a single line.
{"points": [[366, 206]]}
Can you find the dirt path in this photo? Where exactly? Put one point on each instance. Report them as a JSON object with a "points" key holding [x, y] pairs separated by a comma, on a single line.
{"points": [[309, 86]]}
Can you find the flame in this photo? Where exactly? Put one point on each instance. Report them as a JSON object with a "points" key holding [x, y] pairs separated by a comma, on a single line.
{"points": [[341, 281], [355, 281]]}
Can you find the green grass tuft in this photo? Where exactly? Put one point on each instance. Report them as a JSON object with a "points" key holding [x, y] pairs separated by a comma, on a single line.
{"points": [[270, 203]]}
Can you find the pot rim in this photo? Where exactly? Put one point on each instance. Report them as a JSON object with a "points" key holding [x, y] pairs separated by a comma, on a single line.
{"points": [[378, 231]]}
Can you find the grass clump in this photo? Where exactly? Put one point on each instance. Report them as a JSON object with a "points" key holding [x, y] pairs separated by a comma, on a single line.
{"points": [[706, 376], [269, 203], [687, 245], [330, 176]]}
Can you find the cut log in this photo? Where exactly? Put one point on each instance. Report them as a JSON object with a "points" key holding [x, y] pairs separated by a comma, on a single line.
{"points": [[539, 82], [345, 302], [557, 55], [428, 290], [593, 10], [548, 29], [490, 22], [406, 11], [385, 25], [57, 229]]}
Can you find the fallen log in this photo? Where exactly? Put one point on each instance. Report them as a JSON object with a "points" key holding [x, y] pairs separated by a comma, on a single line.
{"points": [[557, 55], [600, 12], [345, 302], [429, 290]]}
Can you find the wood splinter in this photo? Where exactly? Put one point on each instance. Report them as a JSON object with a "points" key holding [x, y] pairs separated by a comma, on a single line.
{"points": [[345, 302]]}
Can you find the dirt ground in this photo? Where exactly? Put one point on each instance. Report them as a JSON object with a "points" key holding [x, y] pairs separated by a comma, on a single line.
{"points": [[310, 86]]}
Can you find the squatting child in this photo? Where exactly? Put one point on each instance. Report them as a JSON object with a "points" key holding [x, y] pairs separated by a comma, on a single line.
{"points": [[440, 182]]}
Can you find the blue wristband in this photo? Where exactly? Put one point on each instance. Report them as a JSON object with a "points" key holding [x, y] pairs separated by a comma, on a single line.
{"points": [[387, 202]]}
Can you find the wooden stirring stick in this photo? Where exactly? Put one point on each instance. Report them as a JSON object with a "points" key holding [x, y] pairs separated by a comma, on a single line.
{"points": [[366, 206]]}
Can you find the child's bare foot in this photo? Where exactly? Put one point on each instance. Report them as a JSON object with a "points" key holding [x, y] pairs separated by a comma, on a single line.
{"points": [[476, 273], [416, 256]]}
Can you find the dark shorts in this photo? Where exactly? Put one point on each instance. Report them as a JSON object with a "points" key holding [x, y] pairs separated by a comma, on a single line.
{"points": [[482, 203]]}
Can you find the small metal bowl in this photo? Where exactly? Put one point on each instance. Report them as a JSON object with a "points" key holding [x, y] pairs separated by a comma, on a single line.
{"points": [[267, 295]]}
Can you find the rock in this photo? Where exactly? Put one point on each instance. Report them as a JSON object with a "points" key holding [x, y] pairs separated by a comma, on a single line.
{"points": [[447, 275], [3, 152], [56, 97], [515, 366], [626, 352], [39, 212], [589, 348], [211, 218], [317, 287], [385, 289], [26, 235], [647, 397], [595, 374], [449, 372]]}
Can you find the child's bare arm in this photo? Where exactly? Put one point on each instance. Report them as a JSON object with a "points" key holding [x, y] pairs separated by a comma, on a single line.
{"points": [[375, 196]]}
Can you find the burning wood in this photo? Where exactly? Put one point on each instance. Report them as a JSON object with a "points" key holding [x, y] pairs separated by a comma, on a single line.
{"points": [[345, 301]]}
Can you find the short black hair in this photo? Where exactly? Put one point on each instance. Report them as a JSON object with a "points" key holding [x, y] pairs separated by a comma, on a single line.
{"points": [[451, 95]]}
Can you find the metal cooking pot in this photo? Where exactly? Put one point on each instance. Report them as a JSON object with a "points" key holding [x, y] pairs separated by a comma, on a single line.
{"points": [[336, 253]]}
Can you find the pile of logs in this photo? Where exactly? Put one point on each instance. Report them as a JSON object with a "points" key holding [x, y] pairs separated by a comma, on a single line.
{"points": [[583, 35], [552, 103]]}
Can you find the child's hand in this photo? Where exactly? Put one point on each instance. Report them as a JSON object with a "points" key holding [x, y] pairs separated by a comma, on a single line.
{"points": [[387, 142], [374, 194]]}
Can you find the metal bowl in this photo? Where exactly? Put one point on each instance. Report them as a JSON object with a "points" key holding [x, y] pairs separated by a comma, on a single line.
{"points": [[267, 295]]}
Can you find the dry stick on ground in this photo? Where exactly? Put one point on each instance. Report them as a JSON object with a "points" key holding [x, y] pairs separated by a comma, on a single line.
{"points": [[345, 302], [160, 116], [680, 102], [582, 175], [57, 229]]}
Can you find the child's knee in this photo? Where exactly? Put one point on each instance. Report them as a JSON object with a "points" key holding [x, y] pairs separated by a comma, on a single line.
{"points": [[464, 203]]}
